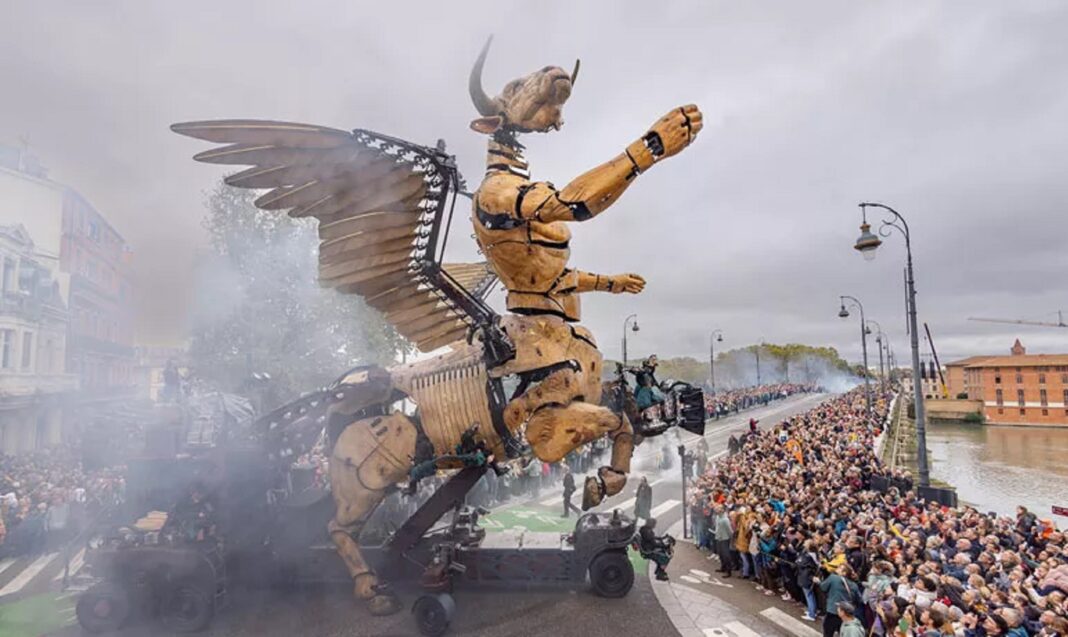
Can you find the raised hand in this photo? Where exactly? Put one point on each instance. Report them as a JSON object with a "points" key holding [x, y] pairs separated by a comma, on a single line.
{"points": [[674, 131]]}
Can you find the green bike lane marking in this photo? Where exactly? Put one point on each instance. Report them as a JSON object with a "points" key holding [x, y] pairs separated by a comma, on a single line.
{"points": [[538, 521], [36, 615]]}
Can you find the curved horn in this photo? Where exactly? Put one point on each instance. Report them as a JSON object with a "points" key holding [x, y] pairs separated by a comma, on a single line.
{"points": [[483, 103], [574, 72]]}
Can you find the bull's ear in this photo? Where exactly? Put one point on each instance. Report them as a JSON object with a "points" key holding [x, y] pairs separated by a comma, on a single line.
{"points": [[487, 125]]}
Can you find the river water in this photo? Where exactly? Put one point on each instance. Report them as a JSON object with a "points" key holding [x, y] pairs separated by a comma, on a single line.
{"points": [[997, 468]]}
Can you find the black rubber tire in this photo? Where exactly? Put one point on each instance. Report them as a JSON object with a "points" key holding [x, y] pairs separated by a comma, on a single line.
{"points": [[611, 574], [186, 607], [104, 608], [433, 614]]}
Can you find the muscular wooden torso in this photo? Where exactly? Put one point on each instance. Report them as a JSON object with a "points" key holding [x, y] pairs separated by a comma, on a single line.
{"points": [[530, 256]]}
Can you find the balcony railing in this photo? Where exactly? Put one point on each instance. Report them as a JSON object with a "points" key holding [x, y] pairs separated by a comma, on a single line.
{"points": [[24, 306], [13, 383]]}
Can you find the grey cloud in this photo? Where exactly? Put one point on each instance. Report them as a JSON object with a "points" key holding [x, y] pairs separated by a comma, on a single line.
{"points": [[952, 112]]}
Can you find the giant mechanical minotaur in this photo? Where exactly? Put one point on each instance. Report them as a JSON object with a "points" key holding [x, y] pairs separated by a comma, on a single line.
{"points": [[383, 206]]}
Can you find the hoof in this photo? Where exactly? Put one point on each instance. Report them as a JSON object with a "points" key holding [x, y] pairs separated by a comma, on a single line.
{"points": [[592, 493], [384, 604]]}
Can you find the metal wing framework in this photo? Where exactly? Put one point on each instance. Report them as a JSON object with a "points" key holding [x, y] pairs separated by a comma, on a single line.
{"points": [[382, 205]]}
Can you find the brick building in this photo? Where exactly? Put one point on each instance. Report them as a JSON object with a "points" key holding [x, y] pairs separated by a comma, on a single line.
{"points": [[101, 327], [1019, 389]]}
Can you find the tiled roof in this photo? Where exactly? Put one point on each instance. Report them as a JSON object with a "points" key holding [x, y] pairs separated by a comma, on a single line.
{"points": [[964, 362], [1029, 360]]}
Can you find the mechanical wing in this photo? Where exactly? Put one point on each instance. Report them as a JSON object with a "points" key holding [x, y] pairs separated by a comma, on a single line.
{"points": [[383, 206]]}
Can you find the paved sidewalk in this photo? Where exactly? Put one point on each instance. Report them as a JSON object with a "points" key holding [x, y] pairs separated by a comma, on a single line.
{"points": [[697, 601]]}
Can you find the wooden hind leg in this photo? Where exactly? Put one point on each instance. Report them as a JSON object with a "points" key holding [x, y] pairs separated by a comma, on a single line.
{"points": [[555, 431], [370, 456]]}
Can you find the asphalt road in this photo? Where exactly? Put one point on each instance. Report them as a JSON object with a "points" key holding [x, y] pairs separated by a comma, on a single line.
{"points": [[497, 612]]}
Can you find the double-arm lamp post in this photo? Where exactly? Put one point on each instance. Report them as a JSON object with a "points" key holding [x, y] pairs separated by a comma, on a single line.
{"points": [[844, 313], [634, 328], [717, 336], [867, 243]]}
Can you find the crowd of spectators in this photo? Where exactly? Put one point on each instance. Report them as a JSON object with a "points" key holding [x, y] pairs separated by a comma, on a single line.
{"points": [[793, 509], [46, 497], [724, 403]]}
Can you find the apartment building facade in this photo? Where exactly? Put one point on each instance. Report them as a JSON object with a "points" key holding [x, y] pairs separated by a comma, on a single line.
{"points": [[96, 260], [34, 385], [1019, 389]]}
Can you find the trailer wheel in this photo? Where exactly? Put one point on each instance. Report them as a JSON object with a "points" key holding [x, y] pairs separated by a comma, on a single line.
{"points": [[611, 574], [103, 608], [433, 613], [186, 607]]}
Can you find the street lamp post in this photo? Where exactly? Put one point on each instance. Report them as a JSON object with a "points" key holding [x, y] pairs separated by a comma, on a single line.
{"points": [[717, 335], [867, 244], [880, 340], [844, 313], [633, 328]]}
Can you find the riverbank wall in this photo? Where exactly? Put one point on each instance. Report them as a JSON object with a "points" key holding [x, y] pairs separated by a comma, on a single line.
{"points": [[897, 449], [955, 410]]}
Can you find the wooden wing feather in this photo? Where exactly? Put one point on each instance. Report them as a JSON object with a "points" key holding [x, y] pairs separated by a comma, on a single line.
{"points": [[375, 199]]}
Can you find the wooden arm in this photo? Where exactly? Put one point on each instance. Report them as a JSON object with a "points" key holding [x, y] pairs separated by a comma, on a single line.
{"points": [[614, 283]]}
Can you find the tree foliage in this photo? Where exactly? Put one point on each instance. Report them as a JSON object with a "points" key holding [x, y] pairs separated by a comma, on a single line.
{"points": [[790, 362], [260, 308]]}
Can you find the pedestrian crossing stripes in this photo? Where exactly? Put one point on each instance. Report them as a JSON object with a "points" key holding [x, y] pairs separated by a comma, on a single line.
{"points": [[555, 500], [663, 508], [791, 624], [734, 629], [27, 574], [6, 564], [76, 564], [625, 505]]}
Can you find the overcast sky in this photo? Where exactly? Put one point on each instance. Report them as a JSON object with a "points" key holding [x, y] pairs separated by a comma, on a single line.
{"points": [[955, 113]]}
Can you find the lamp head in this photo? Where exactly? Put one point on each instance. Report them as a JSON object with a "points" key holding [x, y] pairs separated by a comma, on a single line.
{"points": [[867, 243], [719, 338], [634, 327], [843, 313]]}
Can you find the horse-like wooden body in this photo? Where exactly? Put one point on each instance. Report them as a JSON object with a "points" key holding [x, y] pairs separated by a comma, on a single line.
{"points": [[368, 213]]}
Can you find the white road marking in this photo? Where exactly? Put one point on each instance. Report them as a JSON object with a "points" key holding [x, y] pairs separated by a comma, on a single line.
{"points": [[740, 629], [28, 574], [687, 578], [6, 564], [76, 564], [792, 625], [625, 505], [716, 455], [557, 499], [706, 578], [663, 508]]}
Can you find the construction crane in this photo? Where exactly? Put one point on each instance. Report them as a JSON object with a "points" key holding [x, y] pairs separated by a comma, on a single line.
{"points": [[938, 365], [1060, 321]]}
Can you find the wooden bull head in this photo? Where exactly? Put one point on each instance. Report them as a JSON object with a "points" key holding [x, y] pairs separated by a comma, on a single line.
{"points": [[531, 103]]}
